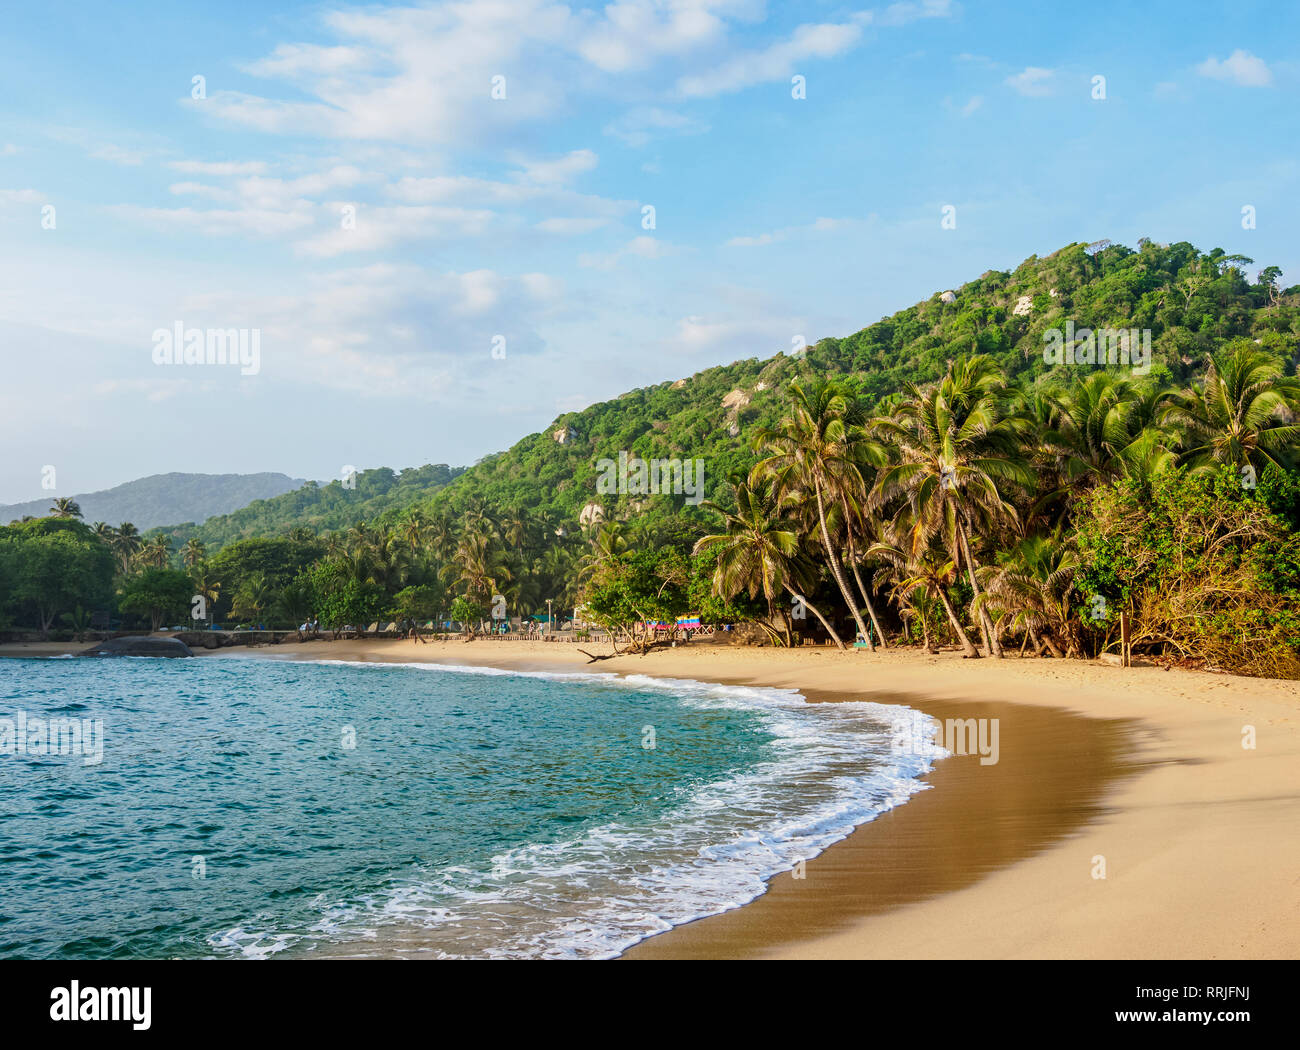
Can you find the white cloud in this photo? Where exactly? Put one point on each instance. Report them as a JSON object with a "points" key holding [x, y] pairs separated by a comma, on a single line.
{"points": [[118, 155], [808, 42], [223, 167], [415, 75], [20, 197], [376, 228], [631, 34], [393, 330], [772, 63], [561, 170], [643, 247], [217, 222], [822, 225], [154, 390], [638, 126], [573, 225], [1032, 81], [1240, 67], [752, 337]]}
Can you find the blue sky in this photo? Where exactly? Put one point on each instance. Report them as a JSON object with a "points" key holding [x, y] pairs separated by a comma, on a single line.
{"points": [[522, 217]]}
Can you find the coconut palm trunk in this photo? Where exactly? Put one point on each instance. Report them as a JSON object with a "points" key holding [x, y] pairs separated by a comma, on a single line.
{"points": [[992, 647], [866, 596], [817, 612], [837, 569], [967, 646]]}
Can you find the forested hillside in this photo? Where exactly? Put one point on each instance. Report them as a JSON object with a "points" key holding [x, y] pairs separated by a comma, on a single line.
{"points": [[1191, 302], [377, 495]]}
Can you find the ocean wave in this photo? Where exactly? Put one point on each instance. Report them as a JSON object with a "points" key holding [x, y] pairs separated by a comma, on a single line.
{"points": [[832, 768]]}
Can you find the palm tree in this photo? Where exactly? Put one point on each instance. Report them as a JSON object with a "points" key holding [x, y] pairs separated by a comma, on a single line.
{"points": [[126, 542], [414, 530], [207, 586], [607, 544], [65, 507], [814, 451], [956, 439], [442, 536], [1036, 580], [294, 603], [928, 571], [1104, 425], [1243, 414], [755, 554], [516, 529], [476, 568], [255, 594], [193, 552], [157, 553]]}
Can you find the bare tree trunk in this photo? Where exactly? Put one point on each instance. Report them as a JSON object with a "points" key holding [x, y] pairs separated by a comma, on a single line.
{"points": [[817, 612], [962, 637], [992, 647], [837, 570], [866, 597]]}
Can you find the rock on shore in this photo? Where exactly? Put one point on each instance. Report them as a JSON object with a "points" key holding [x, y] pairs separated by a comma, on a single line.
{"points": [[139, 646]]}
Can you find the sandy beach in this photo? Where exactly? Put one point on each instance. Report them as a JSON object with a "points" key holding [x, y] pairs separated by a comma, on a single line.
{"points": [[1139, 774]]}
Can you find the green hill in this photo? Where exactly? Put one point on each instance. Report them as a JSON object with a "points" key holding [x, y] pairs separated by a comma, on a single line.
{"points": [[379, 493], [1191, 302]]}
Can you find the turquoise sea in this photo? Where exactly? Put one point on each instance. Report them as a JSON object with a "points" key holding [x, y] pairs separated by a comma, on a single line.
{"points": [[245, 807]]}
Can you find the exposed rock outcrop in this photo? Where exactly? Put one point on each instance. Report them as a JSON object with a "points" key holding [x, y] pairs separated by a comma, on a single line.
{"points": [[139, 646]]}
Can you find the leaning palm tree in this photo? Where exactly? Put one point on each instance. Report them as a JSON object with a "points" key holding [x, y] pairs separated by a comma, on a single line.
{"points": [[926, 570], [956, 440], [1244, 414], [65, 507], [813, 454]]}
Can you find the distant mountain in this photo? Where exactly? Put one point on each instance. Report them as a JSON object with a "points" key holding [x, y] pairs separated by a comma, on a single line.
{"points": [[164, 498], [371, 496]]}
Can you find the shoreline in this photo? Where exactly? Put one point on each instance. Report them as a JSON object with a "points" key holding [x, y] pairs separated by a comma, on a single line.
{"points": [[1142, 767]]}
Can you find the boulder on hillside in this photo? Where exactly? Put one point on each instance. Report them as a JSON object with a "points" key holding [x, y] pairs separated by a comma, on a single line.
{"points": [[139, 646]]}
